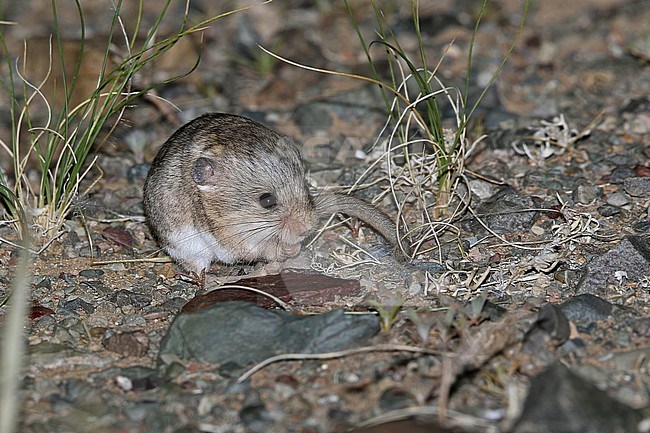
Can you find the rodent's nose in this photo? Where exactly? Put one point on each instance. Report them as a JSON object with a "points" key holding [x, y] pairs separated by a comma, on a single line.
{"points": [[302, 230], [300, 226]]}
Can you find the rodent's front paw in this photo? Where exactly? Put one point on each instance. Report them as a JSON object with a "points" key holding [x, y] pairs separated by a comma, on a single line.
{"points": [[281, 252], [289, 251]]}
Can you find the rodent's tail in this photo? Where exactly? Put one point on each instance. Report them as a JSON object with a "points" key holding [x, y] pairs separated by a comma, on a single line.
{"points": [[329, 203]]}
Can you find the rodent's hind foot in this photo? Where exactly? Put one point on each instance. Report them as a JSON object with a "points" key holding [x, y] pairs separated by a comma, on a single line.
{"points": [[198, 279]]}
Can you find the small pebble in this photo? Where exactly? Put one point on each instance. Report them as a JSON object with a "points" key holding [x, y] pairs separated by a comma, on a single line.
{"points": [[607, 210], [585, 192], [134, 320], [45, 283], [91, 273], [618, 199], [415, 288]]}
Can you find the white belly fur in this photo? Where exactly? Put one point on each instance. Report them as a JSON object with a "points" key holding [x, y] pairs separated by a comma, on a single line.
{"points": [[196, 249]]}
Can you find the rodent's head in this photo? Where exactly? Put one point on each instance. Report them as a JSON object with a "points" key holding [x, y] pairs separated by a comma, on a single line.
{"points": [[251, 184]]}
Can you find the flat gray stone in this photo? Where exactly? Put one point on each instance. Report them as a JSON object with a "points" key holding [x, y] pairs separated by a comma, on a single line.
{"points": [[637, 186], [631, 256], [242, 333], [505, 212], [618, 199]]}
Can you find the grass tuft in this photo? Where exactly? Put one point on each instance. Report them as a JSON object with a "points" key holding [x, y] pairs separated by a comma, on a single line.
{"points": [[51, 157], [422, 161]]}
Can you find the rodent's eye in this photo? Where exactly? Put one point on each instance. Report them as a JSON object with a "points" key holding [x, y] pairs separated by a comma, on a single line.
{"points": [[268, 200]]}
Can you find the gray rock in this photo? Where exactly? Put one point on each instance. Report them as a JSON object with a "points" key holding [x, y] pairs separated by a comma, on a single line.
{"points": [[618, 199], [79, 304], [551, 179], [396, 398], [631, 255], [128, 297], [620, 173], [559, 401], [91, 273], [505, 212], [608, 210], [585, 192], [83, 407], [637, 186], [586, 308], [243, 333], [97, 288]]}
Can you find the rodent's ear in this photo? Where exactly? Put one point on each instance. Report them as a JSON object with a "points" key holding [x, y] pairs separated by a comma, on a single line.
{"points": [[204, 171]]}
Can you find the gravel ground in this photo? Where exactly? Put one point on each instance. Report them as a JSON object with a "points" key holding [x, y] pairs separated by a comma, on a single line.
{"points": [[495, 325]]}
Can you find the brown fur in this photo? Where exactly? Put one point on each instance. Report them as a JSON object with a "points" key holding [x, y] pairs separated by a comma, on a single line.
{"points": [[209, 177]]}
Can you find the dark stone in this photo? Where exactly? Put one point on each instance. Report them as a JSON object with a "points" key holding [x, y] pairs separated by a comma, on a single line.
{"points": [[586, 308], [621, 173], [504, 212], [85, 251], [631, 255], [91, 273], [559, 401], [68, 278], [98, 287], [174, 304], [142, 378], [608, 210], [552, 320], [254, 415], [551, 324], [621, 159], [45, 283], [127, 297], [79, 304], [550, 179], [573, 345], [243, 333]]}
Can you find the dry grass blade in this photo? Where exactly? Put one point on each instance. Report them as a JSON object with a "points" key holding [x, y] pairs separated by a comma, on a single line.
{"points": [[334, 355], [275, 299], [475, 350], [13, 342]]}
